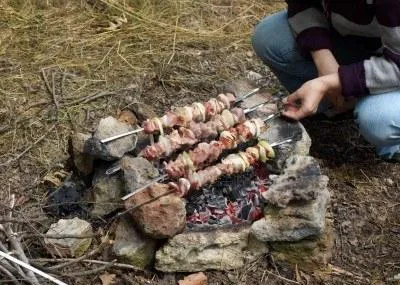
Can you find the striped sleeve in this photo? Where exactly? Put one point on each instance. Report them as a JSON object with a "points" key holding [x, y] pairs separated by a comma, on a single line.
{"points": [[309, 24], [378, 74]]}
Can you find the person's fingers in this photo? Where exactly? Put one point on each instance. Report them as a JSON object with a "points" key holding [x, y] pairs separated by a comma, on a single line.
{"points": [[292, 98], [293, 113]]}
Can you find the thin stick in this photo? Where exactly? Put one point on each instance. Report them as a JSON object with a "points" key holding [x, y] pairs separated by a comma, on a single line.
{"points": [[281, 277], [29, 147], [31, 268], [59, 236], [89, 98], [53, 91], [20, 221], [93, 271], [117, 265], [10, 275], [15, 243]]}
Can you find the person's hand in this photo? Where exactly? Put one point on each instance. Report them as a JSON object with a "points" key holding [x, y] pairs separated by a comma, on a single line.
{"points": [[305, 101]]}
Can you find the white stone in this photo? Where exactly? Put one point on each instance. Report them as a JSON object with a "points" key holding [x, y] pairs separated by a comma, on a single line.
{"points": [[64, 247]]}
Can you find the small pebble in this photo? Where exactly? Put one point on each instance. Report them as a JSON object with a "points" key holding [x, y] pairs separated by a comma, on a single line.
{"points": [[389, 181]]}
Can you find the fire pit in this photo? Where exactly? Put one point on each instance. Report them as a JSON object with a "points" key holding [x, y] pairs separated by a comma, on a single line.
{"points": [[223, 224]]}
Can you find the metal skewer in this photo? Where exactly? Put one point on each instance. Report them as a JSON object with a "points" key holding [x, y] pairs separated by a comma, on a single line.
{"points": [[247, 95], [287, 140], [272, 116], [252, 92], [161, 178], [121, 135], [138, 190], [115, 168]]}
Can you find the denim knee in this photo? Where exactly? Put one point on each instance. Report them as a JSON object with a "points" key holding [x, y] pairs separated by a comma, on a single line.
{"points": [[378, 118], [270, 37]]}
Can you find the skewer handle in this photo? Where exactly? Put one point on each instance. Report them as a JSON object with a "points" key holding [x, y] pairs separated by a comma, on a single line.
{"points": [[272, 116], [287, 140], [136, 191], [247, 95], [121, 135]]}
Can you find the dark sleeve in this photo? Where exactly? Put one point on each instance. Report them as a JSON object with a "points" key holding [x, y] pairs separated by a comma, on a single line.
{"points": [[378, 74], [309, 24]]}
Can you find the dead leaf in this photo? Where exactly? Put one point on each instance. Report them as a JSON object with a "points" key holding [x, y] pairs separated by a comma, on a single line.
{"points": [[194, 279], [108, 279]]}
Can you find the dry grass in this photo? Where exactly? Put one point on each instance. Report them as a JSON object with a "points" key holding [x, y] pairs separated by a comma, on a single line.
{"points": [[96, 45]]}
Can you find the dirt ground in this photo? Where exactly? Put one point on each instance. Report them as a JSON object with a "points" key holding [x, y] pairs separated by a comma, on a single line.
{"points": [[100, 56]]}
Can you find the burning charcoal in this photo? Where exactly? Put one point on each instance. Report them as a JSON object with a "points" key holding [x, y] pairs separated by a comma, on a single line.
{"points": [[231, 200]]}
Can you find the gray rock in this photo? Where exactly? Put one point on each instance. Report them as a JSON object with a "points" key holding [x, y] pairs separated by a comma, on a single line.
{"points": [[83, 162], [131, 247], [115, 149], [221, 249], [137, 172], [301, 181], [309, 254], [69, 246], [296, 203], [253, 76], [106, 192]]}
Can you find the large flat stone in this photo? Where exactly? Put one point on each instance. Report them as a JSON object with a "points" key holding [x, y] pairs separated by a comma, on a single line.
{"points": [[220, 249], [310, 254], [296, 203]]}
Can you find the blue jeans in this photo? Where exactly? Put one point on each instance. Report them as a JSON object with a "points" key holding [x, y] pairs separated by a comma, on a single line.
{"points": [[378, 116]]}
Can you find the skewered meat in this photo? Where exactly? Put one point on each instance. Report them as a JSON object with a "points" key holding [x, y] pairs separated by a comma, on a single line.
{"points": [[196, 132], [233, 163], [206, 153], [182, 116]]}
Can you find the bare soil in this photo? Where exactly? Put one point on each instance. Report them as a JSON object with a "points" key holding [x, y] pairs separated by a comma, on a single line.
{"points": [[162, 55]]}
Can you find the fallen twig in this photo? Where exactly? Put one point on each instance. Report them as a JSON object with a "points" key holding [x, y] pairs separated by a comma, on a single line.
{"points": [[31, 268], [281, 277], [16, 245], [20, 221], [117, 265], [93, 271], [59, 236], [29, 147], [13, 279], [50, 89], [89, 98]]}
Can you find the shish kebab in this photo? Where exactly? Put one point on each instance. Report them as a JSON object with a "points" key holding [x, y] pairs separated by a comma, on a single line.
{"points": [[196, 132], [232, 164], [263, 156], [206, 153], [181, 116]]}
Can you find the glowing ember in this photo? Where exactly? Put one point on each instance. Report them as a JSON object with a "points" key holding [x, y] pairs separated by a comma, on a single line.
{"points": [[229, 201]]}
